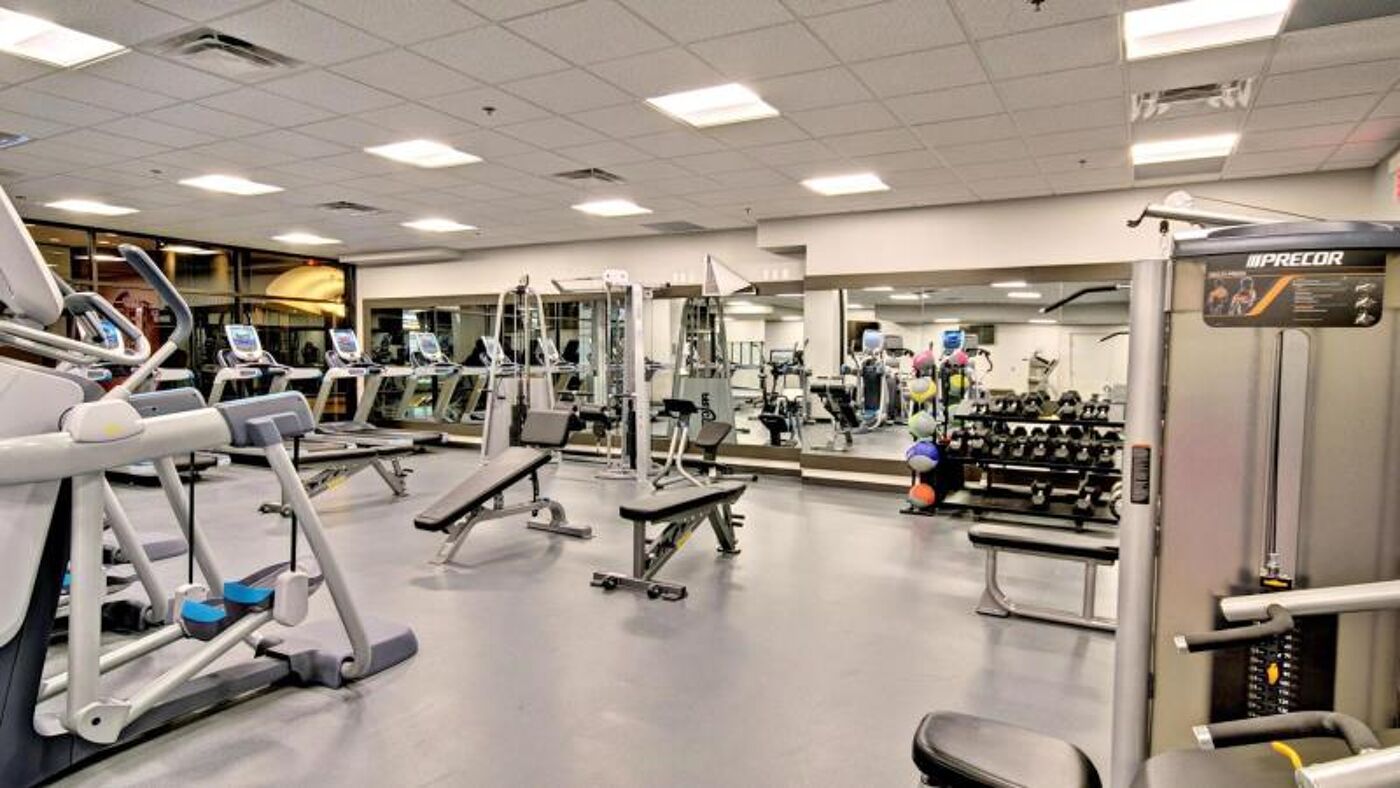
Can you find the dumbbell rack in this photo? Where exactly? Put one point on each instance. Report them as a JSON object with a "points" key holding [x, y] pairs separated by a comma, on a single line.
{"points": [[1015, 501]]}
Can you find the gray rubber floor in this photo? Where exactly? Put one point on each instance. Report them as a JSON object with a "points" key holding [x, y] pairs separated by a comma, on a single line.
{"points": [[806, 660]]}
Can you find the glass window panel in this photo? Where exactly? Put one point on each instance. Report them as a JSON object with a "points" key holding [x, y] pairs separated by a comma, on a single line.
{"points": [[285, 276], [65, 249]]}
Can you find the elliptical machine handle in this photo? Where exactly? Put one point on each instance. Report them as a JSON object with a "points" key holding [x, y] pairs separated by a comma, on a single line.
{"points": [[147, 269]]}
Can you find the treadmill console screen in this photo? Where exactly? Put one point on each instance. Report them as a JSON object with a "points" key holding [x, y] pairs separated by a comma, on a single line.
{"points": [[428, 346], [244, 341], [346, 343]]}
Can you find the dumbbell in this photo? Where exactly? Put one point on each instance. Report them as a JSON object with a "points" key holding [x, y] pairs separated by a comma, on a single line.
{"points": [[976, 442], [1030, 405], [957, 442], [1040, 494], [1084, 451], [1084, 499], [1115, 499], [1020, 448], [1040, 447], [1061, 450], [1107, 455]]}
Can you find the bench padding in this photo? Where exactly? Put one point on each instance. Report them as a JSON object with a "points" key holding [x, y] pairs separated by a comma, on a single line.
{"points": [[1046, 541], [678, 501], [963, 750], [492, 479]]}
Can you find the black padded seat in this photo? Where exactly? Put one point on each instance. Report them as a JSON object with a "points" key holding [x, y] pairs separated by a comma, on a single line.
{"points": [[711, 434], [963, 751], [492, 479], [1046, 541], [1251, 766], [678, 501]]}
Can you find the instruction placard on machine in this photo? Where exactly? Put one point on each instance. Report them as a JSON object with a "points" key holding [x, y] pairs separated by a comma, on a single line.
{"points": [[1331, 288]]}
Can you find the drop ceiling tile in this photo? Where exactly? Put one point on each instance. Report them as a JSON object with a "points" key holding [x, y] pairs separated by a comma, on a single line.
{"points": [[1062, 87], [569, 91], [812, 90], [1306, 137], [819, 7], [990, 18], [509, 9], [317, 171], [888, 28], [298, 31], [845, 119], [686, 21], [1333, 82], [791, 153], [401, 23], [1363, 153], [928, 176], [102, 142], [1069, 117], [488, 144], [590, 31], [330, 91], [870, 143], [690, 184], [554, 132], [604, 154], [347, 131], [958, 132], [1011, 188], [490, 54], [1356, 42], [658, 73], [801, 171], [158, 75], [406, 74], [918, 72], [470, 105], [201, 10], [979, 153], [986, 171], [904, 161], [1091, 180], [1296, 160], [416, 120], [240, 152], [14, 70], [1075, 45], [1199, 68], [1086, 161], [206, 120], [30, 126], [680, 142], [1308, 113], [1190, 126], [969, 101], [1389, 107], [366, 165], [626, 120], [747, 179], [78, 86], [298, 146], [719, 161], [126, 22], [542, 162], [1374, 130], [1079, 140], [261, 105], [761, 132], [24, 101], [769, 52]]}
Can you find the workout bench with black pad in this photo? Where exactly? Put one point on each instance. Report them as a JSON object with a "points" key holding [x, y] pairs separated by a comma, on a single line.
{"points": [[481, 496], [682, 509]]}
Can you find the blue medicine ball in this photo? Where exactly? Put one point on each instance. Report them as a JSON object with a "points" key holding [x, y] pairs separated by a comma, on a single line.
{"points": [[922, 456]]}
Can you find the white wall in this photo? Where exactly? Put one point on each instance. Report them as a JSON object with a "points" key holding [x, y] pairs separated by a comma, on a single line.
{"points": [[1067, 229]]}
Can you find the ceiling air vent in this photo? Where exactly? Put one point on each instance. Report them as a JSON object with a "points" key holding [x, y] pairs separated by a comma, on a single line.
{"points": [[1235, 94], [674, 227], [590, 174], [224, 54], [10, 139], [350, 208]]}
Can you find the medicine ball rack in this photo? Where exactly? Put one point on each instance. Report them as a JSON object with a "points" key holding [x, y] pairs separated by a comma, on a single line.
{"points": [[1000, 498]]}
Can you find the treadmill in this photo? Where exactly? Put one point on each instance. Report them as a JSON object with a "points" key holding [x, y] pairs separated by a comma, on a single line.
{"points": [[428, 361], [346, 360]]}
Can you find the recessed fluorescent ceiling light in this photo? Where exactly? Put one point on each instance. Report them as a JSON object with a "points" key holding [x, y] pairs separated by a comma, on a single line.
{"points": [[878, 289], [1209, 147], [304, 239], [1026, 294], [187, 249], [230, 184], [611, 208], [1015, 283], [39, 39], [1199, 24], [438, 225], [905, 297], [90, 206], [948, 320], [837, 185], [1042, 321], [423, 153], [732, 103]]}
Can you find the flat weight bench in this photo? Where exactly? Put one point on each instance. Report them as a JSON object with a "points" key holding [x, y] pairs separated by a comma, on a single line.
{"points": [[1092, 550], [960, 750], [682, 509], [481, 496]]}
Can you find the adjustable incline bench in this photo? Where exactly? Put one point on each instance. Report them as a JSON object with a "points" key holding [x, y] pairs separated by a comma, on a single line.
{"points": [[682, 509], [481, 496]]}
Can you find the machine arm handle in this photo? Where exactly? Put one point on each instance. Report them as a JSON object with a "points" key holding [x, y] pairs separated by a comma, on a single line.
{"points": [[1279, 622], [1295, 725], [1078, 294]]}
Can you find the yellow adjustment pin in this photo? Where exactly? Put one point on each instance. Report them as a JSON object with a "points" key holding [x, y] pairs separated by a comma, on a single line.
{"points": [[1273, 673], [1287, 752]]}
